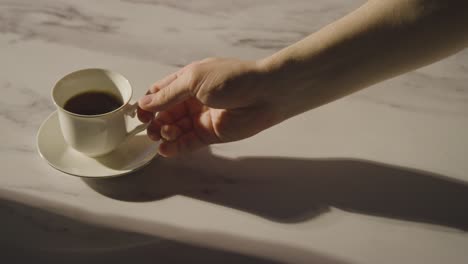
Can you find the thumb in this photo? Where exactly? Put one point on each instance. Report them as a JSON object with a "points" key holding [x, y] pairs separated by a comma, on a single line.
{"points": [[170, 95]]}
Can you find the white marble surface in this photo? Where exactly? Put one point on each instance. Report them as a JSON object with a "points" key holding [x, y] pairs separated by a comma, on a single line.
{"points": [[310, 190]]}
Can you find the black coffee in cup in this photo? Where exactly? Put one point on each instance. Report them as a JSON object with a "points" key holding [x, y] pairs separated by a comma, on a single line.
{"points": [[93, 103]]}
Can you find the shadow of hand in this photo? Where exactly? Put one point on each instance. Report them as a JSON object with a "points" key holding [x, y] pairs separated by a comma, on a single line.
{"points": [[294, 190]]}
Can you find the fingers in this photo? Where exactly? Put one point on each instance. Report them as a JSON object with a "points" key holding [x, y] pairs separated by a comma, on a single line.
{"points": [[144, 116], [185, 124], [178, 138], [156, 127], [167, 118], [170, 132], [162, 83], [173, 124], [154, 130], [174, 93], [163, 118], [166, 92], [186, 143]]}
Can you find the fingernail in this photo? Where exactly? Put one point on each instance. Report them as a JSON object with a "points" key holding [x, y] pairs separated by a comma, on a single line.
{"points": [[145, 100]]}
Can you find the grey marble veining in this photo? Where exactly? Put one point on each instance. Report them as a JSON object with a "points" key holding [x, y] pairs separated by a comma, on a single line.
{"points": [[414, 121], [25, 109], [422, 93], [242, 24]]}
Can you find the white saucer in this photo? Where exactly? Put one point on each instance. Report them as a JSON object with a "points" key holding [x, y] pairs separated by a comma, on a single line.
{"points": [[130, 156]]}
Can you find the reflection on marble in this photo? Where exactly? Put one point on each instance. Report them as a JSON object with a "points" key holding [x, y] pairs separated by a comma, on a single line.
{"points": [[418, 120]]}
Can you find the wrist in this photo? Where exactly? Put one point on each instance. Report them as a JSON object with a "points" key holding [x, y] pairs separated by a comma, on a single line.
{"points": [[287, 85]]}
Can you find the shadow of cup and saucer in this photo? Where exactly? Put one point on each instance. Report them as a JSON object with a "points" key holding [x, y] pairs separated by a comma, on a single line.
{"points": [[291, 190]]}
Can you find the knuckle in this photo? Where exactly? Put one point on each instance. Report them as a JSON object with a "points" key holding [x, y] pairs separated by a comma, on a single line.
{"points": [[193, 77], [163, 96], [154, 88]]}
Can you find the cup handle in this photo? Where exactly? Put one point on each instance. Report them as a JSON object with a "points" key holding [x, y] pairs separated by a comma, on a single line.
{"points": [[131, 111]]}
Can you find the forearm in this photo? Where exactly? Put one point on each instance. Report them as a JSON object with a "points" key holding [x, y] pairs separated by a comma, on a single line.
{"points": [[378, 41]]}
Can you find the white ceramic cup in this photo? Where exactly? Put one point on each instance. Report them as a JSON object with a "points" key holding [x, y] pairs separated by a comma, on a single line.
{"points": [[95, 135]]}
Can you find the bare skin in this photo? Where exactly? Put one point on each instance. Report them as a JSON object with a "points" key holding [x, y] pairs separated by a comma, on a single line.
{"points": [[221, 100]]}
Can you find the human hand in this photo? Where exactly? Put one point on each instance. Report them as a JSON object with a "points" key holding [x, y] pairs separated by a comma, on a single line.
{"points": [[222, 100], [207, 102]]}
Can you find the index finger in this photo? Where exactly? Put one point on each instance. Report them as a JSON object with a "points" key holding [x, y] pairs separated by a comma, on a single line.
{"points": [[162, 83], [145, 116]]}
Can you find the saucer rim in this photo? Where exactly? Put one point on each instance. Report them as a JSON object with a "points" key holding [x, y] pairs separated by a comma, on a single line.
{"points": [[38, 149]]}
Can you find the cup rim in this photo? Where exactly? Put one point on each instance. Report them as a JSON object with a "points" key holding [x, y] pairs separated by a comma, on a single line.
{"points": [[91, 116]]}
